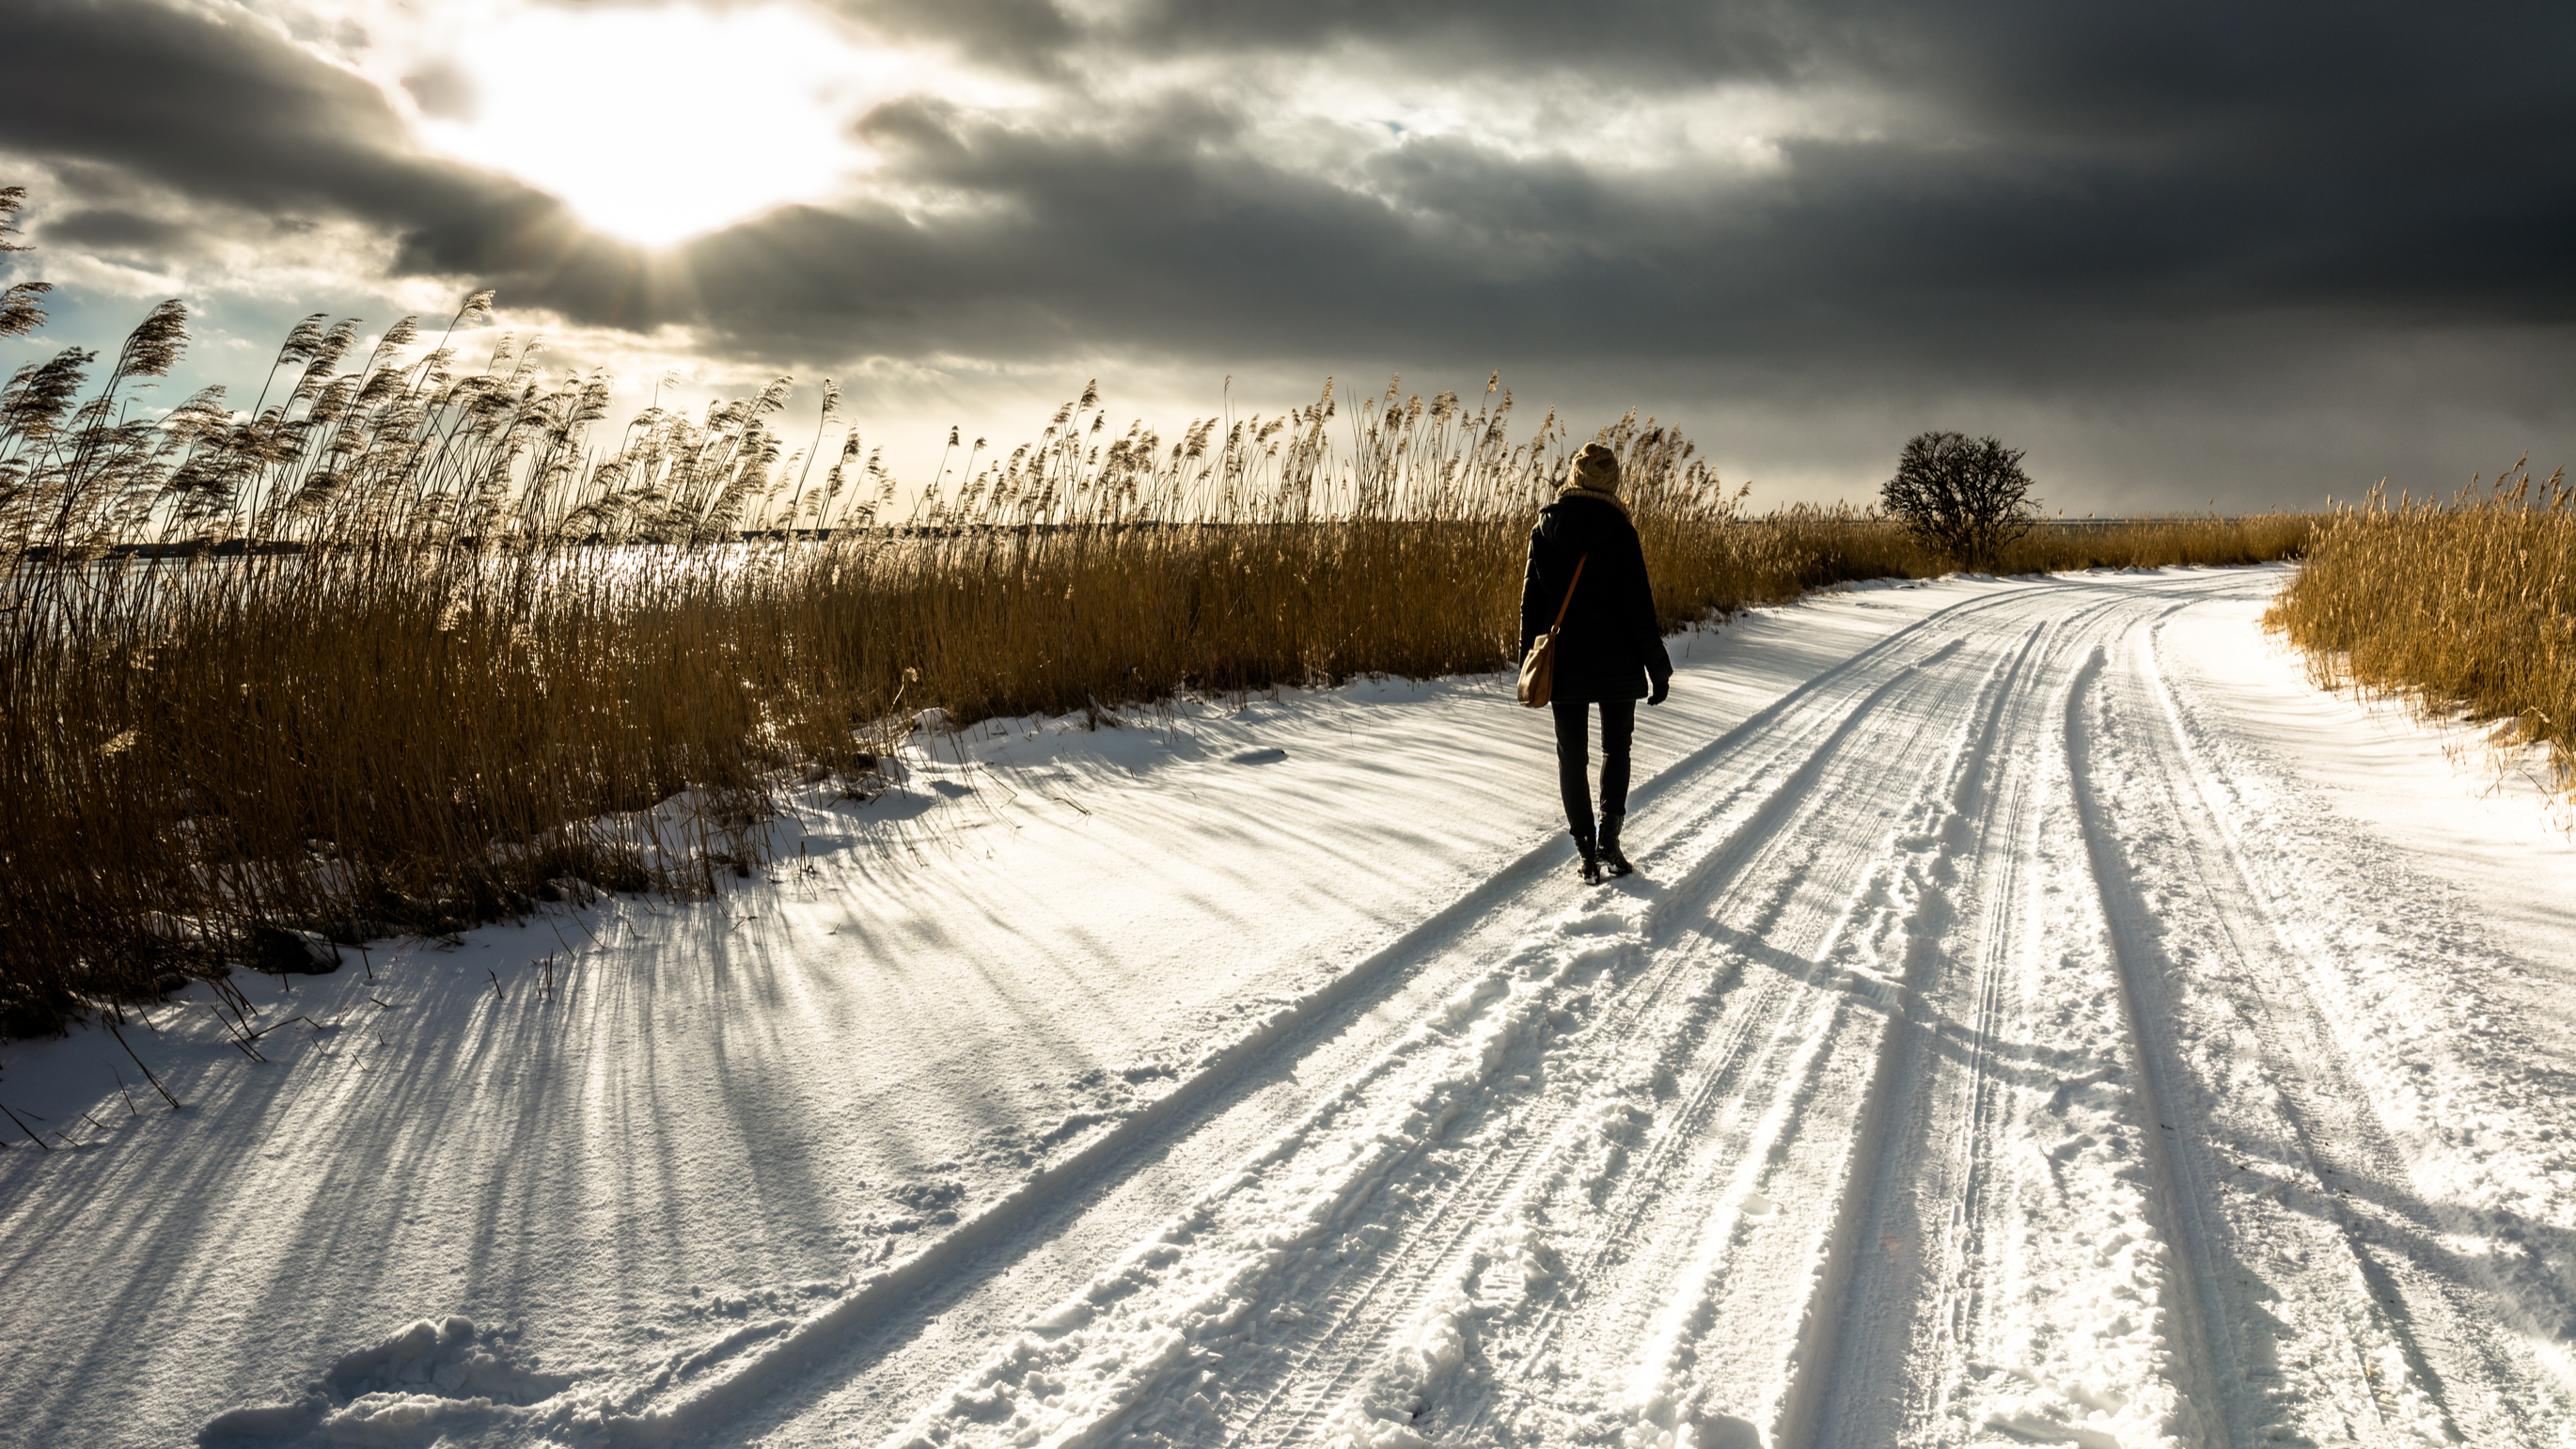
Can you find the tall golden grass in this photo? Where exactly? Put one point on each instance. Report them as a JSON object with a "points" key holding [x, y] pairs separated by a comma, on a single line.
{"points": [[1821, 546], [401, 648], [2465, 605], [397, 647]]}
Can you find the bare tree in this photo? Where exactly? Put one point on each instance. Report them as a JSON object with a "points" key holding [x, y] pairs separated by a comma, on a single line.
{"points": [[1965, 498]]}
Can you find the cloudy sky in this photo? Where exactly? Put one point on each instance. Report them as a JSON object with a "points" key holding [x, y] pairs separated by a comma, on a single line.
{"points": [[2178, 251]]}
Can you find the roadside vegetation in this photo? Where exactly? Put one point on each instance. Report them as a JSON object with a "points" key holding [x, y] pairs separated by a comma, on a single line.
{"points": [[408, 643], [2464, 606]]}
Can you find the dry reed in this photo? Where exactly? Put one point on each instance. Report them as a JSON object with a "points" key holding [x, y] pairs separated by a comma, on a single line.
{"points": [[1832, 544], [398, 648], [2459, 606]]}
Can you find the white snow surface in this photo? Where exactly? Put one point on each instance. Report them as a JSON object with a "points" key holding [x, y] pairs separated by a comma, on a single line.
{"points": [[2040, 1016]]}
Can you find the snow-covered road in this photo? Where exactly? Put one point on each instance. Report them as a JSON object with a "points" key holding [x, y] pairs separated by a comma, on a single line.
{"points": [[2016, 1032]]}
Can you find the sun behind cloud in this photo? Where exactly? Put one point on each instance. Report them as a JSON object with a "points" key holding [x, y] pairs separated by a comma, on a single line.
{"points": [[656, 125]]}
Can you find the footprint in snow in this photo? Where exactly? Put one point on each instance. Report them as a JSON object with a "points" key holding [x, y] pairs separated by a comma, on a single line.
{"points": [[428, 1381]]}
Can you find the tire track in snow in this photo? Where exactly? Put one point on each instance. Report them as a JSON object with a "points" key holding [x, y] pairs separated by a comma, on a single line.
{"points": [[2290, 1056], [1787, 726], [1808, 1057], [2449, 1160], [1712, 784], [2205, 1350], [1773, 819], [2327, 1360], [1802, 1015], [1812, 1288], [2414, 1337], [1361, 1320], [1099, 1407], [1786, 832], [1754, 1111], [1908, 1306], [977, 1250], [1804, 1386], [1806, 899], [1945, 1228], [1746, 807], [1115, 1358], [2356, 1313], [1980, 1147]]}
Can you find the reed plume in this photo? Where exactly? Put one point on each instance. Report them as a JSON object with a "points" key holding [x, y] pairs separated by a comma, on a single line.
{"points": [[2457, 606], [409, 643]]}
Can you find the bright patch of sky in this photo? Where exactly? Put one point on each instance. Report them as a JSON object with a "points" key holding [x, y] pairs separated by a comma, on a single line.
{"points": [[1326, 112], [658, 125], [654, 123]]}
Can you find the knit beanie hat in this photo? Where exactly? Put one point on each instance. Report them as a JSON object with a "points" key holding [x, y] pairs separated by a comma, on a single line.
{"points": [[1595, 468]]}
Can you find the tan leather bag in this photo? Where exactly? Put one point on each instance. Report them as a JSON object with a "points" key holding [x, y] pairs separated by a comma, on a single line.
{"points": [[1538, 671]]}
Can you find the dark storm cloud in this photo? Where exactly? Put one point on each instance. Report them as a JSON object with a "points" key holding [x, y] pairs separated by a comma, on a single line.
{"points": [[2073, 160], [2023, 196], [1171, 238], [2052, 168], [216, 106], [108, 226], [1647, 40], [1021, 33]]}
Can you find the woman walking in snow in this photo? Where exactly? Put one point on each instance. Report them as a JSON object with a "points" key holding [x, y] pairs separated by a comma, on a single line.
{"points": [[1607, 651]]}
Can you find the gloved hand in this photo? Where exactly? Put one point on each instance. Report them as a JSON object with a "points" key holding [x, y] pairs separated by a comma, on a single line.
{"points": [[1663, 686]]}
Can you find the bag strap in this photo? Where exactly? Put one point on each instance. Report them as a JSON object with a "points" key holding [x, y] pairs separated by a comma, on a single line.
{"points": [[1569, 593]]}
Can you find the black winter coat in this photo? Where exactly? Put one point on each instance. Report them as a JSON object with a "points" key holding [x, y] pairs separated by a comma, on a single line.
{"points": [[1610, 646]]}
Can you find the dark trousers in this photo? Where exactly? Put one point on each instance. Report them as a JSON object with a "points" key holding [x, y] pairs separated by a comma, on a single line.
{"points": [[1618, 724]]}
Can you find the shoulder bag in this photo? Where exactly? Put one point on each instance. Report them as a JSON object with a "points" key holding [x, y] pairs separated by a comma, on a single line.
{"points": [[1538, 671]]}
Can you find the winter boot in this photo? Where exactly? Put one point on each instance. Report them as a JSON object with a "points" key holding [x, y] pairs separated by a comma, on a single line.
{"points": [[1588, 869], [1614, 861]]}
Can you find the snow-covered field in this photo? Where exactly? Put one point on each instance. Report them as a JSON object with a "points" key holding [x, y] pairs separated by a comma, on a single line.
{"points": [[2039, 1017]]}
